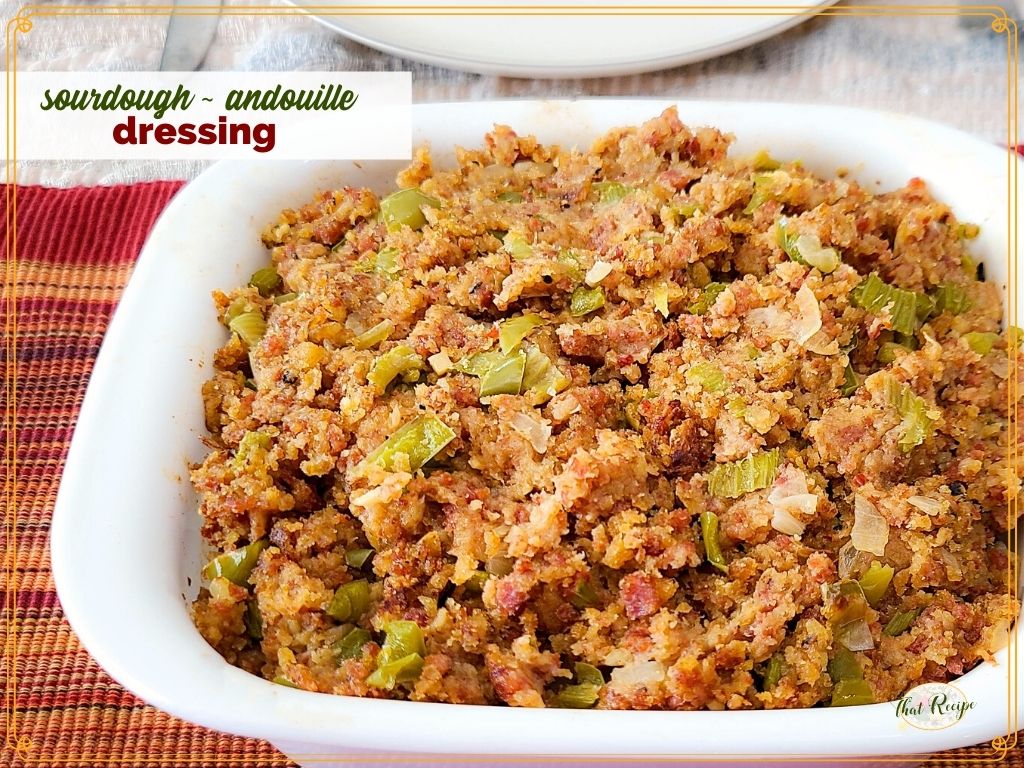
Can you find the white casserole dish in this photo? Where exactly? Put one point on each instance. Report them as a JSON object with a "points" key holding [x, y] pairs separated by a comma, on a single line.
{"points": [[125, 542]]}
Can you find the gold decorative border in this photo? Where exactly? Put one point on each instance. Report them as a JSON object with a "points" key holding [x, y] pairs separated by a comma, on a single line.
{"points": [[22, 23]]}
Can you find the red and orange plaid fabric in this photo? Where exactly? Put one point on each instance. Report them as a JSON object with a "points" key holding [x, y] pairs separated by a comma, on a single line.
{"points": [[75, 252]]}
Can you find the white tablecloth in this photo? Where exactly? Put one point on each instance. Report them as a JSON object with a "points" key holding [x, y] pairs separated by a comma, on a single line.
{"points": [[945, 69]]}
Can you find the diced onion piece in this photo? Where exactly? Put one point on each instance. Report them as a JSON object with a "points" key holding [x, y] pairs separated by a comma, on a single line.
{"points": [[870, 530], [736, 478], [925, 504], [440, 363], [512, 331], [808, 320], [660, 295], [820, 344], [851, 561], [789, 498], [856, 635], [536, 431], [597, 273], [531, 169], [783, 521], [777, 324]]}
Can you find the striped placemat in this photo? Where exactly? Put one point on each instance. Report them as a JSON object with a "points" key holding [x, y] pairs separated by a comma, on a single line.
{"points": [[76, 249]]}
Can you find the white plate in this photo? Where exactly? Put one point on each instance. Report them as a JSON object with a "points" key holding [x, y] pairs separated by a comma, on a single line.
{"points": [[125, 539], [578, 45]]}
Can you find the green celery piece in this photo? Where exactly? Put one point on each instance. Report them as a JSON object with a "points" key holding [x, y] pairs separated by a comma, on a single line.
{"points": [[403, 670], [421, 439], [480, 363], [405, 209], [707, 376], [265, 280], [373, 336], [510, 197], [950, 297], [350, 601], [806, 249], [712, 546], [875, 582], [610, 191], [586, 300], [401, 360], [505, 378], [850, 693], [512, 331], [981, 343], [905, 307], [253, 619], [851, 381], [584, 693], [901, 622], [776, 669], [356, 558], [237, 565], [572, 266], [913, 409], [762, 192], [351, 645], [844, 666], [401, 657], [541, 378], [762, 161], [250, 327], [585, 596], [517, 246], [751, 473], [707, 299]]}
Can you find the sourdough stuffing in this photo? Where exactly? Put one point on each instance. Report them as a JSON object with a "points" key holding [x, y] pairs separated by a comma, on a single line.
{"points": [[562, 524]]}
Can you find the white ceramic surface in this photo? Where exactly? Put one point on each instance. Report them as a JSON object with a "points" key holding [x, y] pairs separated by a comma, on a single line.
{"points": [[578, 45], [125, 540]]}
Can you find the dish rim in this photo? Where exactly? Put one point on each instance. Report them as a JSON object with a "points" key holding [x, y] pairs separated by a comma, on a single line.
{"points": [[261, 709], [553, 71]]}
